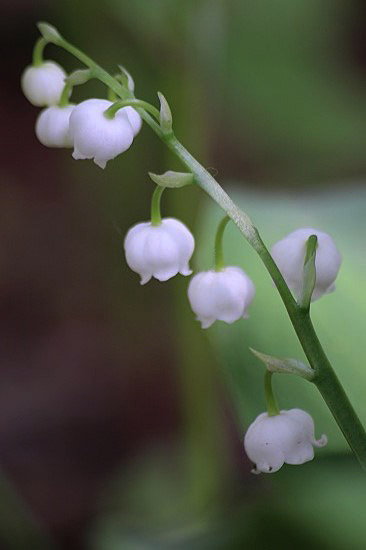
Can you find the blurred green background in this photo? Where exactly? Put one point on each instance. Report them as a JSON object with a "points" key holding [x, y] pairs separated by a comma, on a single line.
{"points": [[121, 421]]}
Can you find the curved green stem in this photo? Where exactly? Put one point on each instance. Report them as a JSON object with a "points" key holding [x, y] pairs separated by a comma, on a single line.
{"points": [[155, 206], [112, 110], [271, 402], [65, 95], [38, 52], [99, 73], [325, 378], [219, 251], [111, 95]]}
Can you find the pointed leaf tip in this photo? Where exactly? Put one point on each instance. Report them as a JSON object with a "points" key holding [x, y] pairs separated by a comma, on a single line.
{"points": [[172, 179], [166, 119], [288, 366], [80, 76], [309, 272], [126, 78], [49, 32]]}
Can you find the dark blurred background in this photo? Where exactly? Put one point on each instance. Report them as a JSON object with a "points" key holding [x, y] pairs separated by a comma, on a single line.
{"points": [[121, 420]]}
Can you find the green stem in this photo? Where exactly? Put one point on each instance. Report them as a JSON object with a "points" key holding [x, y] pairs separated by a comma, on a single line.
{"points": [[311, 246], [112, 110], [111, 95], [65, 95], [325, 378], [219, 252], [271, 402], [99, 73], [38, 52], [155, 206], [309, 273], [208, 183]]}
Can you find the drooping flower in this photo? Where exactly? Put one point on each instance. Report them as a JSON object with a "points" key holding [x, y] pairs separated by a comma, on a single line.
{"points": [[95, 135], [287, 437], [289, 255], [159, 251], [52, 126], [223, 295], [42, 85]]}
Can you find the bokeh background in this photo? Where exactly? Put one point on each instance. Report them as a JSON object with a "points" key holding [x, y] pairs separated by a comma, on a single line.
{"points": [[121, 421]]}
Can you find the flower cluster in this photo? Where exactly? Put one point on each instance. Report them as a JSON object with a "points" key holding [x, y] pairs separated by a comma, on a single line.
{"points": [[100, 129], [87, 127], [163, 250]]}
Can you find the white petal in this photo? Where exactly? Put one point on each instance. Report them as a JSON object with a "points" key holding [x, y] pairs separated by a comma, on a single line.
{"points": [[43, 85], [321, 442], [134, 250], [186, 270], [289, 254], [162, 254], [229, 302], [184, 241], [145, 278], [96, 136], [134, 119], [303, 454], [99, 162], [159, 251], [77, 155], [52, 126], [200, 296], [206, 323], [220, 295]]}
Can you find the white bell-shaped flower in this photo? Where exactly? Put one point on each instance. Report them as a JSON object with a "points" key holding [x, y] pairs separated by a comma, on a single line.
{"points": [[289, 255], [223, 295], [287, 437], [52, 126], [97, 137], [159, 251], [134, 119], [42, 85]]}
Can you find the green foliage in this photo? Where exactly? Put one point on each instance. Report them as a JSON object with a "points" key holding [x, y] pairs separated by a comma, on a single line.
{"points": [[322, 509], [274, 73]]}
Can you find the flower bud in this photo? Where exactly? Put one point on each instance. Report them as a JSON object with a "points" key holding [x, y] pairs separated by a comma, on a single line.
{"points": [[43, 85], [52, 126], [159, 251], [221, 295], [289, 255], [96, 136], [287, 437]]}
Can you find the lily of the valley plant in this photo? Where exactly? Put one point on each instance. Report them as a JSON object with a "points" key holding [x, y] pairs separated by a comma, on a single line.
{"points": [[303, 265]]}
